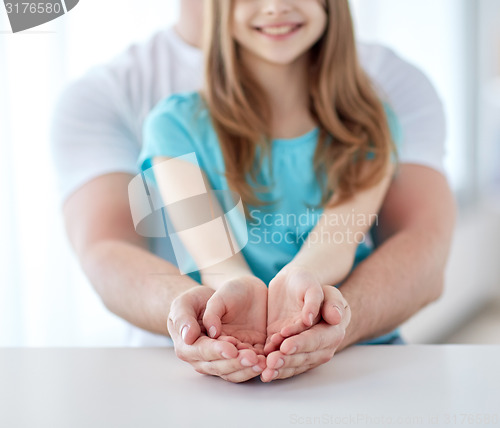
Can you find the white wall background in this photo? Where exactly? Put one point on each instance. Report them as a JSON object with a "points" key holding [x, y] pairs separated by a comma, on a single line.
{"points": [[489, 96], [430, 34]]}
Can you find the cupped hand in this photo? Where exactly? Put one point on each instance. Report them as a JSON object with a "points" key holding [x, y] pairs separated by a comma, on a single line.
{"points": [[314, 346], [237, 313], [294, 303], [207, 355]]}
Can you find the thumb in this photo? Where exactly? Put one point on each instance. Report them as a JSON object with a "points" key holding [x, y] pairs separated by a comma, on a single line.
{"points": [[215, 310], [312, 304], [333, 310], [186, 327], [183, 319]]}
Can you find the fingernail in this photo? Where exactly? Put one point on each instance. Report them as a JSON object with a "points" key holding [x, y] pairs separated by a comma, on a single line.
{"points": [[256, 368], [311, 319], [245, 362], [275, 374], [338, 310], [294, 349], [184, 331], [212, 331], [279, 363], [224, 355]]}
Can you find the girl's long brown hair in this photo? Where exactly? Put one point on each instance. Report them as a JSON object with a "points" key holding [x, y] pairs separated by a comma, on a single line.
{"points": [[350, 116]]}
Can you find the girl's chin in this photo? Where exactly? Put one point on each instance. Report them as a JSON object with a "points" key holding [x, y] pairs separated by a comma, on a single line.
{"points": [[278, 59], [253, 56]]}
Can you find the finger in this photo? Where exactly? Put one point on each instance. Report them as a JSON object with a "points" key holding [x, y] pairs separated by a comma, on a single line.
{"points": [[296, 328], [212, 317], [274, 361], [334, 305], [286, 373], [278, 360], [332, 313], [241, 376], [270, 347], [259, 349], [218, 367], [204, 349], [247, 373], [248, 357], [280, 366], [229, 339], [242, 345], [233, 370], [223, 368], [269, 375], [273, 343], [312, 305], [320, 336], [184, 327]]}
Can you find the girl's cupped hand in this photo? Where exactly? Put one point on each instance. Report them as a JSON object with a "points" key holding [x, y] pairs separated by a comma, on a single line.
{"points": [[296, 303]]}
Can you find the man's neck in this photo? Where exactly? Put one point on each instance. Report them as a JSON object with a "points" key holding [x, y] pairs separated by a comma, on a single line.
{"points": [[188, 35], [190, 24]]}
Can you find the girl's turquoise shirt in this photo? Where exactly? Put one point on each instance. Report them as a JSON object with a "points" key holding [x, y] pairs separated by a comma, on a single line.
{"points": [[181, 124]]}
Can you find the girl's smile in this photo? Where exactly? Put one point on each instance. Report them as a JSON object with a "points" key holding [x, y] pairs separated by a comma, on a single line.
{"points": [[277, 31]]}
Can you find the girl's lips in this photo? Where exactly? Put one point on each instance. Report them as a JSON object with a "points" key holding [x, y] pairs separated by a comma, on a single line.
{"points": [[279, 31]]}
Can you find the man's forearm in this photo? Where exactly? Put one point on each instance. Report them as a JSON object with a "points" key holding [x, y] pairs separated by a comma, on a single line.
{"points": [[403, 275], [133, 283], [406, 272]]}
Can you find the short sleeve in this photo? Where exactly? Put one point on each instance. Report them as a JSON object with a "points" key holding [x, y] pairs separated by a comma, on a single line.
{"points": [[395, 129], [90, 135], [167, 130], [415, 102]]}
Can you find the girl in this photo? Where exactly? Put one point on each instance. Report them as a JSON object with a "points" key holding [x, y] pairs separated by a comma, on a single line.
{"points": [[287, 120]]}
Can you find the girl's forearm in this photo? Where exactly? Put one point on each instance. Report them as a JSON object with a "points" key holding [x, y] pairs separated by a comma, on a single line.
{"points": [[207, 245]]}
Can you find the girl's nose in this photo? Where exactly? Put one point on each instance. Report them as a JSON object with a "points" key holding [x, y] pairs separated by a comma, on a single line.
{"points": [[276, 7]]}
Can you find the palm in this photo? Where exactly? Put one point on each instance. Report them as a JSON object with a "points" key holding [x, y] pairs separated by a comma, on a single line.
{"points": [[285, 308], [244, 308], [286, 303]]}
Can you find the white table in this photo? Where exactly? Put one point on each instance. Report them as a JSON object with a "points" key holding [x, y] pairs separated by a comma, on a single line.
{"points": [[385, 386]]}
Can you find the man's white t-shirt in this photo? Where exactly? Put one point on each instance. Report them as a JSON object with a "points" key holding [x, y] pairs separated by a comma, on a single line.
{"points": [[97, 125]]}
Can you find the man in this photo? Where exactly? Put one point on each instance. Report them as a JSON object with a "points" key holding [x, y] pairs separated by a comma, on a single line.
{"points": [[97, 135]]}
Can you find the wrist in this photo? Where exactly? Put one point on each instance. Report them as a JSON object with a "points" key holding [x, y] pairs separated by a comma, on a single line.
{"points": [[330, 267], [218, 274], [216, 279], [246, 283], [296, 268]]}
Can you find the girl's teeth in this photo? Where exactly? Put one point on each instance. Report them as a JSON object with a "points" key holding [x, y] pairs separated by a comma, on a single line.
{"points": [[278, 30]]}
